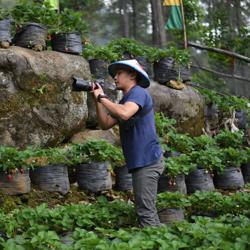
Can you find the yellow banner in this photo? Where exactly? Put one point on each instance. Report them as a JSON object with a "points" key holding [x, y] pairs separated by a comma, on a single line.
{"points": [[171, 3]]}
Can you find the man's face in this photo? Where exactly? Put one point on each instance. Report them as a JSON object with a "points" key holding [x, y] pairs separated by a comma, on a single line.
{"points": [[123, 79]]}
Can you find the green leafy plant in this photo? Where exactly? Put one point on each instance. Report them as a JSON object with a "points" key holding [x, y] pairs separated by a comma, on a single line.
{"points": [[203, 142], [163, 124], [209, 158], [96, 151], [99, 52], [70, 21], [226, 138], [232, 157], [35, 157], [11, 161], [27, 11], [4, 14], [180, 56], [180, 142], [178, 165], [172, 200], [125, 45]]}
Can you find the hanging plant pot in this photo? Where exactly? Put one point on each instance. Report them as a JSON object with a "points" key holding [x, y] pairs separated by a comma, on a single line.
{"points": [[123, 179], [70, 43], [168, 184], [32, 35], [52, 178], [246, 172], [143, 61], [5, 33], [94, 177], [199, 179], [17, 183], [98, 68], [165, 70], [170, 215], [231, 179]]}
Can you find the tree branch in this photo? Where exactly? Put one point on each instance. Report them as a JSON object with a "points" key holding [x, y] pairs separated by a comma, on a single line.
{"points": [[221, 51], [222, 74]]}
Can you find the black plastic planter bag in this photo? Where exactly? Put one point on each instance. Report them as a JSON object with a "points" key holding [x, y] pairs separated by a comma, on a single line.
{"points": [[246, 172], [67, 42], [98, 68], [19, 183], [94, 177], [52, 178], [72, 174], [241, 119], [230, 179], [165, 70], [31, 35], [199, 179], [123, 179], [143, 61], [5, 33], [170, 215], [177, 184]]}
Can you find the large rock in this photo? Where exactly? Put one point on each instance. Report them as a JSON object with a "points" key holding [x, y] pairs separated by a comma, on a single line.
{"points": [[88, 134], [37, 104], [186, 106]]}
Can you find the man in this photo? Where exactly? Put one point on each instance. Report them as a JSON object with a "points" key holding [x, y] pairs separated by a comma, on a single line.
{"points": [[140, 145]]}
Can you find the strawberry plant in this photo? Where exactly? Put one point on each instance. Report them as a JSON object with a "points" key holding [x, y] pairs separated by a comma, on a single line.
{"points": [[180, 142], [234, 157], [99, 52], [229, 139], [70, 21], [96, 151], [125, 45], [4, 14], [178, 165], [35, 157], [11, 161], [209, 158], [27, 11]]}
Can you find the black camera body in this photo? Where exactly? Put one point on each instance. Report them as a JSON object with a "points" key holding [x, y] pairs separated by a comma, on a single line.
{"points": [[80, 84]]}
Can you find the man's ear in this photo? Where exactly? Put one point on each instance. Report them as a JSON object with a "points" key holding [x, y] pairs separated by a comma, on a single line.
{"points": [[133, 75]]}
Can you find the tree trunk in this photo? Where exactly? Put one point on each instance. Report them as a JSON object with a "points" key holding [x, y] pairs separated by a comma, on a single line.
{"points": [[134, 19], [125, 18], [159, 33]]}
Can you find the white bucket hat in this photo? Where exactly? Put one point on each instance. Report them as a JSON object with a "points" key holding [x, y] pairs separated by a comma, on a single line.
{"points": [[143, 79]]}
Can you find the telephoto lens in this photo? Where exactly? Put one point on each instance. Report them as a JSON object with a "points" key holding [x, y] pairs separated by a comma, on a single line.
{"points": [[81, 85], [84, 85]]}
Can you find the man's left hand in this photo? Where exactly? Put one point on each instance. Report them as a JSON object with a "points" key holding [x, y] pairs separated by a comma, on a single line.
{"points": [[97, 89]]}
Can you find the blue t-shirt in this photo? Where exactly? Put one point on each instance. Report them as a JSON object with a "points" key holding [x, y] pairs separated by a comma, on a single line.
{"points": [[139, 140]]}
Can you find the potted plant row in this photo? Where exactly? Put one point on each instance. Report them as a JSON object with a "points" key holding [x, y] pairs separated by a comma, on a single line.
{"points": [[212, 159], [36, 21]]}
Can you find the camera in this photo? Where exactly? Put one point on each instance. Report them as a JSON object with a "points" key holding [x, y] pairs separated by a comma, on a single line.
{"points": [[80, 84]]}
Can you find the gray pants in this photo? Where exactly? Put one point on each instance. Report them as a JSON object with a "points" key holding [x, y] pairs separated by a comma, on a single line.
{"points": [[145, 183]]}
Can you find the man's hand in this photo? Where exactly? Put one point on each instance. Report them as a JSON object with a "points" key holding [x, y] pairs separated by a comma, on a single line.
{"points": [[96, 89]]}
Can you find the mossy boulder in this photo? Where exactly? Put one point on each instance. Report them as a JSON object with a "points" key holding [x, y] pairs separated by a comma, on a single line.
{"points": [[37, 104], [186, 106]]}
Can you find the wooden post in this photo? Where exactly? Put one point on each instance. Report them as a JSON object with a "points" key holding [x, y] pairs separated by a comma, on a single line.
{"points": [[184, 25]]}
